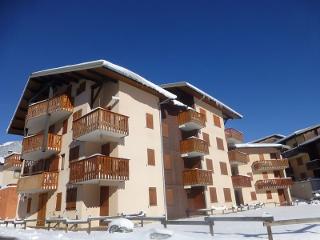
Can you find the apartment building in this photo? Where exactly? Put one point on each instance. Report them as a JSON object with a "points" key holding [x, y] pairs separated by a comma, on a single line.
{"points": [[258, 170], [9, 175], [196, 165], [303, 156], [91, 143]]}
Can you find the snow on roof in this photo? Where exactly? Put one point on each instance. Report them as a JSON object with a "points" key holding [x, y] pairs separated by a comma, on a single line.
{"points": [[300, 131], [259, 145], [266, 137], [182, 84], [180, 104], [111, 66]]}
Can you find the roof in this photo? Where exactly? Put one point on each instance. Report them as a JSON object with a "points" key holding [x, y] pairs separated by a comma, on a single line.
{"points": [[298, 132], [228, 111], [301, 147], [276, 135], [260, 145], [97, 71]]}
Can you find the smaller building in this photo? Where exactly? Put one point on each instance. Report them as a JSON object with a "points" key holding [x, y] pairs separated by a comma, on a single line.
{"points": [[258, 170]]}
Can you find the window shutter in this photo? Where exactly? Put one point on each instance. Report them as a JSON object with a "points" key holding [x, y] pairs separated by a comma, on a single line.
{"points": [[273, 155], [206, 137], [220, 143], [253, 196], [269, 194], [58, 201], [227, 195], [223, 168], [152, 196], [151, 157], [213, 195], [74, 153], [277, 174], [165, 130], [65, 126], [167, 162], [71, 198], [149, 120], [202, 111], [216, 121], [209, 164], [169, 196], [29, 205]]}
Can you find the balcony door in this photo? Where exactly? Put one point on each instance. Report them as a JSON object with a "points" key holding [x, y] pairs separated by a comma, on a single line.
{"points": [[196, 198], [42, 205], [282, 196], [104, 201]]}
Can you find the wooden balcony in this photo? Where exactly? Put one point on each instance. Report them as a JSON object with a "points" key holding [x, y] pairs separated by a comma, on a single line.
{"points": [[270, 165], [12, 162], [43, 182], [193, 147], [191, 120], [197, 177], [238, 158], [100, 125], [240, 181], [233, 135], [59, 107], [99, 169], [32, 146], [275, 183]]}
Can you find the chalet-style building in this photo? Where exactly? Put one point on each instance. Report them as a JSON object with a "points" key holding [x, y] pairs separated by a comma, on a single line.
{"points": [[304, 161], [258, 170], [9, 175]]}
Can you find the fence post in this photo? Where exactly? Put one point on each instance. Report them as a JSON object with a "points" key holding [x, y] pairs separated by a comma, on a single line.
{"points": [[141, 221], [269, 231], [89, 226]]}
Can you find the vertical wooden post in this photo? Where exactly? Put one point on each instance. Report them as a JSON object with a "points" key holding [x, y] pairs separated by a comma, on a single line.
{"points": [[211, 227], [270, 237], [141, 222], [48, 226], [89, 226]]}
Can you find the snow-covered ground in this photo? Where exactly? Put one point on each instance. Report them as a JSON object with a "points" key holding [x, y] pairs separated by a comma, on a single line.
{"points": [[223, 230]]}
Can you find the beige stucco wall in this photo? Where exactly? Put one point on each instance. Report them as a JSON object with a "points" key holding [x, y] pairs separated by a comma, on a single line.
{"points": [[216, 155], [299, 169]]}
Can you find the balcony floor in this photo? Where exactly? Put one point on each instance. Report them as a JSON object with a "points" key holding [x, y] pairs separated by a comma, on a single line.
{"points": [[38, 154], [193, 154], [101, 136], [190, 126], [37, 124], [103, 182]]}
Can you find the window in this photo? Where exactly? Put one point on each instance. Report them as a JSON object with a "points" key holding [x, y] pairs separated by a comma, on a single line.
{"points": [[165, 130], [223, 168], [220, 143], [261, 156], [151, 157], [253, 196], [277, 174], [29, 205], [152, 196], [209, 164], [269, 194], [58, 201], [65, 126], [76, 115], [63, 158], [213, 195], [149, 120], [74, 153], [106, 149], [303, 176], [265, 175], [169, 197], [251, 175], [71, 199], [299, 161], [202, 111], [81, 88], [227, 195], [206, 137], [167, 162], [273, 155], [216, 121]]}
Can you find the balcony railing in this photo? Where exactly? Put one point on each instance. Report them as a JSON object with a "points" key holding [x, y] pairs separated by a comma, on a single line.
{"points": [[267, 165], [238, 158], [59, 108], [31, 167], [233, 135], [32, 146], [99, 167], [55, 104], [193, 147], [197, 177], [46, 181], [12, 162], [240, 181], [191, 120], [100, 125], [276, 183]]}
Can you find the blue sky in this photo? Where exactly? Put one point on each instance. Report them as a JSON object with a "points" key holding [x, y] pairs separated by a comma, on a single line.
{"points": [[260, 57]]}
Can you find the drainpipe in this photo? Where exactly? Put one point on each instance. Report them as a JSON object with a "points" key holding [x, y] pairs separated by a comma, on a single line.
{"points": [[162, 156]]}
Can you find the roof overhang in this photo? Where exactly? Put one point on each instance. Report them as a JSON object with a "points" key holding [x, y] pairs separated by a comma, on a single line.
{"points": [[228, 112], [97, 71]]}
